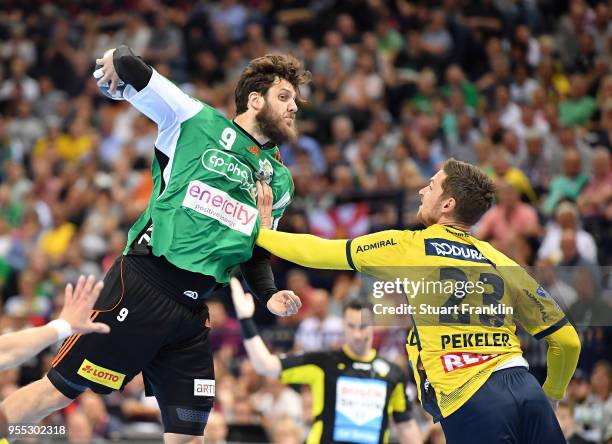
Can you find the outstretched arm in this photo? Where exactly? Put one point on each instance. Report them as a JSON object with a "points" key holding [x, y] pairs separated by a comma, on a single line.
{"points": [[20, 346], [264, 362], [305, 249], [314, 252]]}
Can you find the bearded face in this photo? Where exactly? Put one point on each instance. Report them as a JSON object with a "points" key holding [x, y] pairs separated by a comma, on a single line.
{"points": [[276, 126]]}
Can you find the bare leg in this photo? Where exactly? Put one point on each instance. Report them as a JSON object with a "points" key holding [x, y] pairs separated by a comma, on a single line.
{"points": [[175, 438], [35, 401]]}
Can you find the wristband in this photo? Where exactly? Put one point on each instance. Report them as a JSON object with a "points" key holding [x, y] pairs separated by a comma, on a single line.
{"points": [[63, 328], [248, 328]]}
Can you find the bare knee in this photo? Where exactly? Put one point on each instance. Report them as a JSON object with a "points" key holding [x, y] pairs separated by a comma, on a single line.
{"points": [[55, 397], [175, 438]]}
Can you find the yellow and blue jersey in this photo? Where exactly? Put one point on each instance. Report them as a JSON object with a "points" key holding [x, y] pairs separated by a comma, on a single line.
{"points": [[456, 347]]}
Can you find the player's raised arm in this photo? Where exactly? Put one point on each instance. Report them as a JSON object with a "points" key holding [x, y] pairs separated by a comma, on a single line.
{"points": [[264, 362], [20, 346], [150, 92]]}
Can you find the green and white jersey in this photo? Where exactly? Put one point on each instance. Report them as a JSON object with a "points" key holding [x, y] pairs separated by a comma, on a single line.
{"points": [[202, 210]]}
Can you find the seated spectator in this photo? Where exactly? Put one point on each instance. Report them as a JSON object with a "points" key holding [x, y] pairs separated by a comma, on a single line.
{"points": [[277, 400], [536, 163], [565, 416], [508, 219], [462, 146], [503, 169], [319, 331], [287, 431], [592, 414], [569, 184], [79, 429], [572, 261], [589, 310], [225, 331], [104, 425], [579, 107], [437, 41], [566, 217], [596, 196], [560, 291], [456, 80]]}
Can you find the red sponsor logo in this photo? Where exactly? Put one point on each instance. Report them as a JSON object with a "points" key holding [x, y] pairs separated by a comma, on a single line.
{"points": [[455, 361], [253, 150]]}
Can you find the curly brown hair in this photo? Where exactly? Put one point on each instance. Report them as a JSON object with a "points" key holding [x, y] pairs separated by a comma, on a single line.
{"points": [[263, 71], [472, 189]]}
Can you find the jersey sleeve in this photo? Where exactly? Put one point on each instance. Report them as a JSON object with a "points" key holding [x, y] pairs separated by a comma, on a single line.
{"points": [[303, 368], [381, 249], [164, 103], [399, 406], [534, 308]]}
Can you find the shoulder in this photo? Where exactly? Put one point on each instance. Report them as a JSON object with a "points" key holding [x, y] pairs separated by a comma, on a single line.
{"points": [[388, 370]]}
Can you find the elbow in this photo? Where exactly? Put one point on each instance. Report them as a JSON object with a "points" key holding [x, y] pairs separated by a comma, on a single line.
{"points": [[7, 361], [573, 342]]}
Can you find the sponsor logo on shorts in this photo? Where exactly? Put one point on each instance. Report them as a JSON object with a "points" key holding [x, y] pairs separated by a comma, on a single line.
{"points": [[228, 165], [218, 205], [455, 361], [455, 250], [204, 387], [101, 375]]}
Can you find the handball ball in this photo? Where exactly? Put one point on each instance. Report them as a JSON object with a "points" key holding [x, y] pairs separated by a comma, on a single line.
{"points": [[118, 95]]}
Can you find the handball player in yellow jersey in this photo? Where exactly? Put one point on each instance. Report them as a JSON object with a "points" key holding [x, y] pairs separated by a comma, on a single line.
{"points": [[469, 368]]}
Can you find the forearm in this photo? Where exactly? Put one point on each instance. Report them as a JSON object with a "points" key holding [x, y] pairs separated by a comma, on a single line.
{"points": [[19, 346], [305, 249], [408, 432], [562, 357], [130, 68], [264, 362], [258, 274]]}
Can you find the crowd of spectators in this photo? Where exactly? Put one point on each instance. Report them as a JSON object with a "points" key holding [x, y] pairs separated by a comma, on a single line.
{"points": [[521, 88]]}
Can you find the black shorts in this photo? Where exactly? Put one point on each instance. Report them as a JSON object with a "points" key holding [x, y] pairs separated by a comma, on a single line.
{"points": [[153, 331], [509, 408]]}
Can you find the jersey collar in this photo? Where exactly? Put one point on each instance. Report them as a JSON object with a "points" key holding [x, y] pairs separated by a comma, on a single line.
{"points": [[455, 231], [370, 356], [266, 146]]}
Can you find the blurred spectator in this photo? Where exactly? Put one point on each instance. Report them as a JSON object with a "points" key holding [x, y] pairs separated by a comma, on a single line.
{"points": [[560, 291], [277, 401], [287, 431], [565, 416], [566, 186], [593, 413], [104, 426], [578, 108], [321, 330], [224, 331], [596, 197], [79, 428], [589, 309], [566, 217], [507, 220], [503, 169]]}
